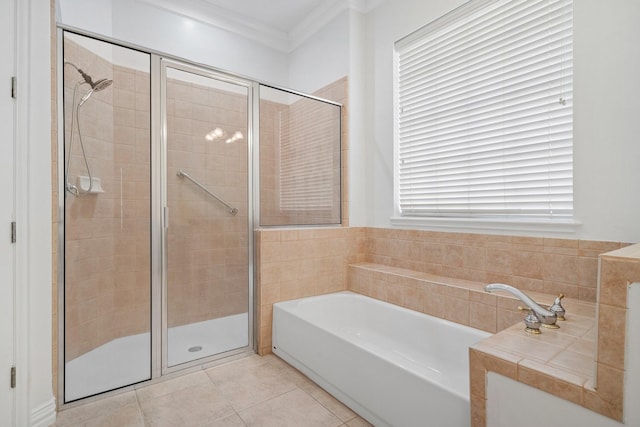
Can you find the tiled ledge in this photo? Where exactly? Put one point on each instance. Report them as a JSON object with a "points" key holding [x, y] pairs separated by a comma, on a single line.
{"points": [[594, 381], [558, 361], [457, 300]]}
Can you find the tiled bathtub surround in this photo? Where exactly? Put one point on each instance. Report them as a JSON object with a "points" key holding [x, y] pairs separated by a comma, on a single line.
{"points": [[442, 274], [562, 362], [299, 263], [461, 301], [534, 264]]}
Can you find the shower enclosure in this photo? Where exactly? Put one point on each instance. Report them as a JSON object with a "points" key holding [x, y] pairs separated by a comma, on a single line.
{"points": [[157, 219], [158, 201]]}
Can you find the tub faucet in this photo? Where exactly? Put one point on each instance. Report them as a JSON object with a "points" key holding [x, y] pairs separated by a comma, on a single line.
{"points": [[545, 317]]}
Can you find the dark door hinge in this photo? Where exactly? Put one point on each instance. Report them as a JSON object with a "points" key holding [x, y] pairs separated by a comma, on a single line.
{"points": [[14, 87], [13, 377], [14, 236]]}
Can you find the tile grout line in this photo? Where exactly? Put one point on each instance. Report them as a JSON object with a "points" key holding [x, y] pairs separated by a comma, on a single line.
{"points": [[144, 421]]}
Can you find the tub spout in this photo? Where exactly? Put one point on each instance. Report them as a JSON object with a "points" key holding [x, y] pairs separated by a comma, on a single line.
{"points": [[546, 317]]}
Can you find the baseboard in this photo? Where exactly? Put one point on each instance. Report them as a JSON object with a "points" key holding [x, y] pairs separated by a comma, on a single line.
{"points": [[45, 415]]}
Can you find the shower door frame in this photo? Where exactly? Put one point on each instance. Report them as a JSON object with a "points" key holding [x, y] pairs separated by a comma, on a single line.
{"points": [[157, 163], [161, 63]]}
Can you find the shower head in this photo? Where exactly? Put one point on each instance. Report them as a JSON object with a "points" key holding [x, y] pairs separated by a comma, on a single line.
{"points": [[101, 84], [97, 86]]}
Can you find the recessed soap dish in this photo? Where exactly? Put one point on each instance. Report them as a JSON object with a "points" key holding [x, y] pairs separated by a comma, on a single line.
{"points": [[83, 185]]}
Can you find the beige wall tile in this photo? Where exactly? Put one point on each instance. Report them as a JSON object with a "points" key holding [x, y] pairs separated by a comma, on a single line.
{"points": [[551, 380], [579, 363], [483, 317], [615, 274], [560, 268], [611, 335], [496, 360], [608, 398], [477, 374], [434, 304], [499, 260], [478, 411], [456, 309]]}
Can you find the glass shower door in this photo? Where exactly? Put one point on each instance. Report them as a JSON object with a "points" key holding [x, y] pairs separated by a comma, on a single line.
{"points": [[105, 189], [206, 226]]}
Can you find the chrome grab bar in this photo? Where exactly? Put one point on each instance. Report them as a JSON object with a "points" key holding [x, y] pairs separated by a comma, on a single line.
{"points": [[183, 174]]}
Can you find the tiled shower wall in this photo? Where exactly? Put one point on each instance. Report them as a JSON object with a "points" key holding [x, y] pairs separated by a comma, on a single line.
{"points": [[107, 234], [207, 246], [306, 119]]}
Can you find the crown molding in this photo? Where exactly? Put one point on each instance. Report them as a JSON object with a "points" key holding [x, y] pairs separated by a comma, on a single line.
{"points": [[315, 21], [324, 14], [214, 16]]}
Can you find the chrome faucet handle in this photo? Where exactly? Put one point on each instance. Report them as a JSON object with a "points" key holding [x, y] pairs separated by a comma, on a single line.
{"points": [[531, 321], [547, 317], [557, 307]]}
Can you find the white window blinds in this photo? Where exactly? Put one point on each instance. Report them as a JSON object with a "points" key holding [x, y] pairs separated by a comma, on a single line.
{"points": [[300, 157], [309, 156], [484, 119]]}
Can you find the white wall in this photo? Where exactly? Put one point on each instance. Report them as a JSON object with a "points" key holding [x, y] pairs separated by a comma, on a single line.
{"points": [[35, 405], [323, 58], [606, 111], [359, 214], [337, 50], [154, 28], [606, 114], [510, 403]]}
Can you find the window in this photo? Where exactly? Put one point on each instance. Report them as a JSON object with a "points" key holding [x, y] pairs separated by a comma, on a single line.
{"points": [[484, 113]]}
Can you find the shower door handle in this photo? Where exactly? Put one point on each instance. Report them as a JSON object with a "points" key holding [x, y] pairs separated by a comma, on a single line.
{"points": [[166, 217]]}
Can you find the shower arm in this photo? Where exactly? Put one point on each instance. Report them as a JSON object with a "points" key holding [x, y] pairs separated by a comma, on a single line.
{"points": [[183, 174]]}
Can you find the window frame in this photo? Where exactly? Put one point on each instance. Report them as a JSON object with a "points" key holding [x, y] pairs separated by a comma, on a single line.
{"points": [[500, 224]]}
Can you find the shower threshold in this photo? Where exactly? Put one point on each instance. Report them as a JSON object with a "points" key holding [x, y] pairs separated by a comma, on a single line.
{"points": [[127, 360]]}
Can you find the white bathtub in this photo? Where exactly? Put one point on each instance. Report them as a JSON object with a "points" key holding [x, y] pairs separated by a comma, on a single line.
{"points": [[393, 366]]}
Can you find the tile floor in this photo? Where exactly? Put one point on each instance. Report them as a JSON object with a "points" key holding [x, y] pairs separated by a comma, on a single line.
{"points": [[253, 391]]}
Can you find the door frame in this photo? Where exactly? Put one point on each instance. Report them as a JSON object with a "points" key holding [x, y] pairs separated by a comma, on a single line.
{"points": [[32, 37], [159, 111], [7, 215]]}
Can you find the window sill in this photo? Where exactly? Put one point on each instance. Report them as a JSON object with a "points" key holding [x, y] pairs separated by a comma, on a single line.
{"points": [[548, 228]]}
